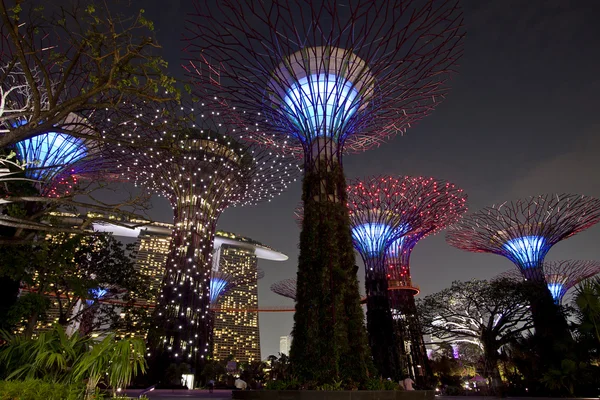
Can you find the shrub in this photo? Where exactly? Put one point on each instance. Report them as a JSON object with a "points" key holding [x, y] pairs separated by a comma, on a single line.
{"points": [[381, 384], [283, 385], [390, 385], [35, 389], [336, 385], [374, 384]]}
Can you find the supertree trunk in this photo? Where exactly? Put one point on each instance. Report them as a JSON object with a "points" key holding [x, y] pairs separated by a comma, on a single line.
{"points": [[182, 310], [329, 337], [323, 80], [402, 301], [410, 337], [384, 346]]}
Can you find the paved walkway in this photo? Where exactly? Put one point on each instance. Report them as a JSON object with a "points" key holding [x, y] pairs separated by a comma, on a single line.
{"points": [[510, 398], [166, 394]]}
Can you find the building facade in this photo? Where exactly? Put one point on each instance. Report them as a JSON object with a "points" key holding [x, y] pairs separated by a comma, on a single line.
{"points": [[285, 343], [236, 329]]}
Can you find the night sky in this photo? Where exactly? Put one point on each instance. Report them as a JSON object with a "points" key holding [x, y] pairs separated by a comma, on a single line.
{"points": [[521, 119]]}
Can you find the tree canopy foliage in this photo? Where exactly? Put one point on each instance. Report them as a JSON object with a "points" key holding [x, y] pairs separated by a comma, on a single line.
{"points": [[62, 65], [488, 314], [76, 273]]}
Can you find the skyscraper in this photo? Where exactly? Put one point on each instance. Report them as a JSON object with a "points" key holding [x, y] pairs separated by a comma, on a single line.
{"points": [[284, 345], [236, 328]]}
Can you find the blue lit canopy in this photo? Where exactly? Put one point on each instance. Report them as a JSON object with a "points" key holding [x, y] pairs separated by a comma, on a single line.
{"points": [[396, 247], [527, 251], [49, 153], [372, 239], [557, 290], [321, 103], [218, 287], [96, 294]]}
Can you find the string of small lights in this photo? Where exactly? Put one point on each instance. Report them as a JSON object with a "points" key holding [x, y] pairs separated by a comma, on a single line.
{"points": [[201, 166]]}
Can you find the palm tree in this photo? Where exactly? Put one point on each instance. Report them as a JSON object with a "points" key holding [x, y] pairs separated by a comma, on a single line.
{"points": [[57, 357], [587, 302]]}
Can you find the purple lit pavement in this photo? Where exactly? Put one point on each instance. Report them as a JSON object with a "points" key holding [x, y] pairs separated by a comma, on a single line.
{"points": [[167, 394]]}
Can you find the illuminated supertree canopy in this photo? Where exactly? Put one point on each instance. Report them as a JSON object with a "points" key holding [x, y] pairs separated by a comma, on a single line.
{"points": [[383, 212], [318, 70], [220, 284], [54, 160], [562, 275], [202, 167], [316, 79], [524, 231]]}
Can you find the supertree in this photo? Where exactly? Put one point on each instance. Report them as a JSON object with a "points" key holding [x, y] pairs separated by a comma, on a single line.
{"points": [[447, 204], [384, 211], [220, 283], [199, 164], [561, 276], [56, 167], [285, 288], [327, 79], [524, 231]]}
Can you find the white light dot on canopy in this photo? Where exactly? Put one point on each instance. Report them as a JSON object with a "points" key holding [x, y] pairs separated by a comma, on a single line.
{"points": [[195, 158]]}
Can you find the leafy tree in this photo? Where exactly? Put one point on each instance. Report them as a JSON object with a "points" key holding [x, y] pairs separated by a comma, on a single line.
{"points": [[253, 373], [488, 314], [448, 372], [80, 273], [215, 370], [280, 367], [78, 59], [579, 373], [587, 303]]}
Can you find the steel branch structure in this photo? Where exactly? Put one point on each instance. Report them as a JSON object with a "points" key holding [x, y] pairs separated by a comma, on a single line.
{"points": [[54, 160], [524, 231], [285, 288], [561, 276], [318, 73], [202, 167], [384, 213]]}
